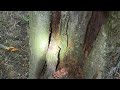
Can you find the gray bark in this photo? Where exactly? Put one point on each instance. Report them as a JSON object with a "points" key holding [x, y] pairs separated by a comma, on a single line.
{"points": [[65, 48], [38, 41], [103, 61], [72, 25]]}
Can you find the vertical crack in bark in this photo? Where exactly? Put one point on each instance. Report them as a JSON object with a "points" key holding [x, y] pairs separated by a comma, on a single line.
{"points": [[54, 36], [58, 61], [97, 19], [67, 28], [56, 17], [49, 40], [54, 25], [43, 69], [50, 30]]}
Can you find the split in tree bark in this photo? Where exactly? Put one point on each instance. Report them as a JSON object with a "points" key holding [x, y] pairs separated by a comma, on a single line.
{"points": [[70, 35], [97, 19]]}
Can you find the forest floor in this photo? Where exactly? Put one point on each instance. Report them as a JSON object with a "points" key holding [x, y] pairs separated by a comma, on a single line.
{"points": [[13, 33]]}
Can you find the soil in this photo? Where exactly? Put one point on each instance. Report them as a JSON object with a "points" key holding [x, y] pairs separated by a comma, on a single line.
{"points": [[13, 33]]}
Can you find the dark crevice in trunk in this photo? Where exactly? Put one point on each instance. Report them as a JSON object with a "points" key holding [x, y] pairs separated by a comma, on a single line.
{"points": [[56, 16], [49, 40], [97, 19], [54, 33], [50, 30], [43, 70], [58, 62], [67, 30], [54, 25]]}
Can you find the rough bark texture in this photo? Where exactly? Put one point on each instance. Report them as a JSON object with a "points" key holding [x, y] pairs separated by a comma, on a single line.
{"points": [[62, 44], [39, 36], [97, 19], [103, 61], [112, 67], [53, 47], [73, 29], [66, 35], [95, 63], [78, 39]]}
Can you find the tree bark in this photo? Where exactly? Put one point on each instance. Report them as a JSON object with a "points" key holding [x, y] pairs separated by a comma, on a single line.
{"points": [[38, 41], [75, 44], [67, 30]]}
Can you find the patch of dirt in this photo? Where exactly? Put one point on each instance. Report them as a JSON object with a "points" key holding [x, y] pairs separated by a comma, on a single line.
{"points": [[13, 33]]}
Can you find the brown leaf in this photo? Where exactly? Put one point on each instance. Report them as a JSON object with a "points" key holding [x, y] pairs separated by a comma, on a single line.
{"points": [[12, 49]]}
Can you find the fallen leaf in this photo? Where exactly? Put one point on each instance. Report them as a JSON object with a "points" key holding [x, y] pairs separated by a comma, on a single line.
{"points": [[12, 49]]}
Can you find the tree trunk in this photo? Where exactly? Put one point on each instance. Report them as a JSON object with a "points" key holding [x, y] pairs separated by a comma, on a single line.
{"points": [[73, 44], [67, 30], [38, 41]]}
